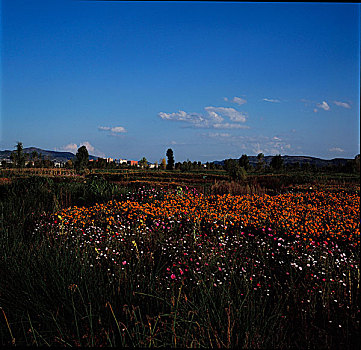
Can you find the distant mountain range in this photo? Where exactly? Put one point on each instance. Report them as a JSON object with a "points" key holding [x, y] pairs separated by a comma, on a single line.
{"points": [[53, 156], [318, 162], [57, 156]]}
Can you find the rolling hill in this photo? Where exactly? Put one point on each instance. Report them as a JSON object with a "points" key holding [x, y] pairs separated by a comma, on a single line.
{"points": [[54, 156]]}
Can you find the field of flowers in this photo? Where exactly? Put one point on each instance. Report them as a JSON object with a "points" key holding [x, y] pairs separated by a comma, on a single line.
{"points": [[182, 269], [295, 255]]}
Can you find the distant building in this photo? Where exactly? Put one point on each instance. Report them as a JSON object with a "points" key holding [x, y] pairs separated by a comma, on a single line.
{"points": [[109, 160], [121, 161], [132, 162]]}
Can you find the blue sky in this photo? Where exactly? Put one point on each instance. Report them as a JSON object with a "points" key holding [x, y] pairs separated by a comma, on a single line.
{"points": [[211, 80]]}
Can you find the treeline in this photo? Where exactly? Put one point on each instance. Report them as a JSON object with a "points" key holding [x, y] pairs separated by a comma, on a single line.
{"points": [[236, 168]]}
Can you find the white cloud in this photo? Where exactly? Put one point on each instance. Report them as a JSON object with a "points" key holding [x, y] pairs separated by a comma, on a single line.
{"points": [[218, 135], [342, 104], [271, 100], [88, 146], [276, 138], [230, 126], [118, 129], [213, 118], [239, 100], [213, 115], [225, 98], [231, 113], [323, 105], [114, 129], [336, 149], [196, 119], [315, 110], [259, 144], [73, 148]]}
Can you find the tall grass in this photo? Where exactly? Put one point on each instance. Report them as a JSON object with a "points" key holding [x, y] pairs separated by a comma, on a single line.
{"points": [[58, 292]]}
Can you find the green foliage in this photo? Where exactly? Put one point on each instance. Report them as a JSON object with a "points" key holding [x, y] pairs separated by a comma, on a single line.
{"points": [[277, 162], [244, 162], [189, 166], [143, 163], [81, 159], [170, 157], [260, 162], [234, 170], [163, 164], [18, 156]]}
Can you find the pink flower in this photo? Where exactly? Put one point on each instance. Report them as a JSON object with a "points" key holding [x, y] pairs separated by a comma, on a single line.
{"points": [[172, 276], [124, 262]]}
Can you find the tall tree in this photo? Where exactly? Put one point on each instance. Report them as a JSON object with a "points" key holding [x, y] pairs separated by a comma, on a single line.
{"points": [[244, 162], [277, 162], [170, 156], [18, 156], [81, 158], [163, 164], [260, 161]]}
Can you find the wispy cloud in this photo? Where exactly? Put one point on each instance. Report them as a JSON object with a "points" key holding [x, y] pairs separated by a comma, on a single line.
{"points": [[324, 106], [231, 113], [212, 118], [271, 100], [217, 134], [230, 126], [181, 116], [261, 144], [239, 100], [342, 104], [336, 149], [236, 99], [316, 106], [113, 129], [71, 147]]}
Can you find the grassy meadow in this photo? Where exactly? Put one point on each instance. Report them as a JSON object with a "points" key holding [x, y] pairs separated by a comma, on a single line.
{"points": [[144, 259]]}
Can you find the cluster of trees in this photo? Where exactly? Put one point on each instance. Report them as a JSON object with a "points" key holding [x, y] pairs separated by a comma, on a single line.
{"points": [[188, 165], [238, 169], [29, 160]]}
